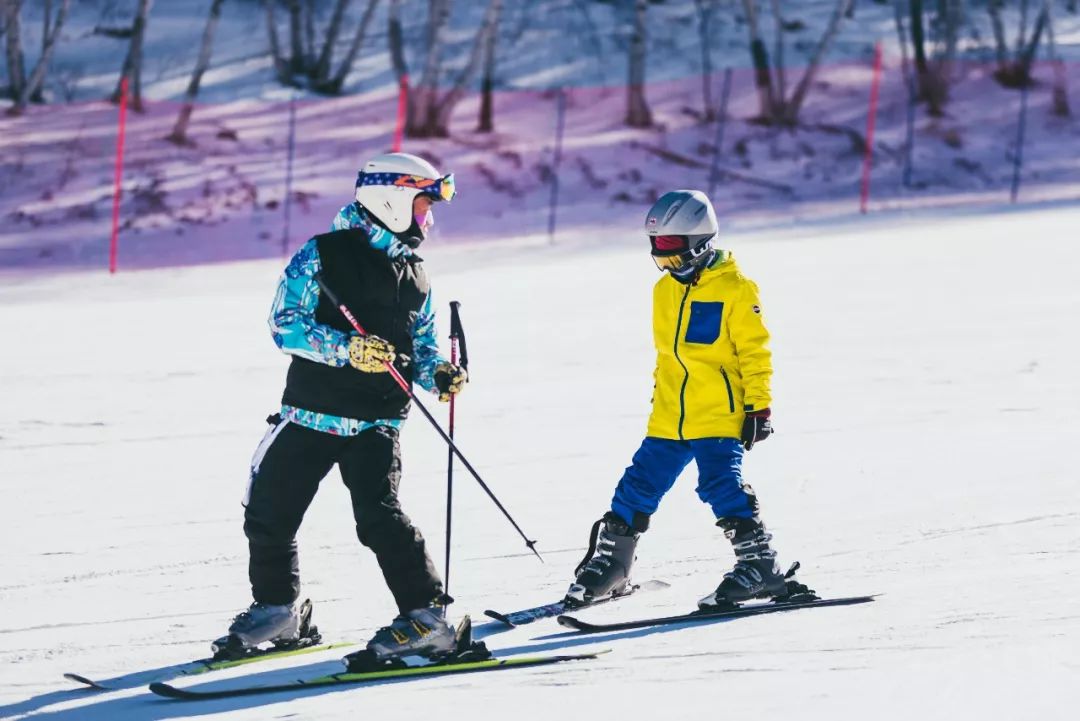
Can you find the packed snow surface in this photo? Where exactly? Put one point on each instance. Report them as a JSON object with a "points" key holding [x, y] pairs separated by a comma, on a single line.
{"points": [[926, 406]]}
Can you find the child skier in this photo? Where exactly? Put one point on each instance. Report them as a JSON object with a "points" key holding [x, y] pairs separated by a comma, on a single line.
{"points": [[341, 406], [710, 403]]}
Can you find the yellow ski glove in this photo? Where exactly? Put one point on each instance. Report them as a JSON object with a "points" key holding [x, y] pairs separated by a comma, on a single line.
{"points": [[370, 353], [449, 380]]}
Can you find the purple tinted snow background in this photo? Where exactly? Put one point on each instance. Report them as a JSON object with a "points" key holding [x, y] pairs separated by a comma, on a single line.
{"points": [[222, 199]]}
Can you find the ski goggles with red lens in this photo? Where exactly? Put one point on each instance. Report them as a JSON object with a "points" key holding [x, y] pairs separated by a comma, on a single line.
{"points": [[441, 188], [672, 252]]}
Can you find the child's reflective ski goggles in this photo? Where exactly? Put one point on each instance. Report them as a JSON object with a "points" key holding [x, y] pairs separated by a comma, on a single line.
{"points": [[671, 252]]}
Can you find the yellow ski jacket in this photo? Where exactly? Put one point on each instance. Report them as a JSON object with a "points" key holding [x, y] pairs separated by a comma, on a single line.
{"points": [[712, 357]]}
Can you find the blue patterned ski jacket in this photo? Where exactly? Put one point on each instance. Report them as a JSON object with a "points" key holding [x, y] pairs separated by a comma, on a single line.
{"points": [[293, 327]]}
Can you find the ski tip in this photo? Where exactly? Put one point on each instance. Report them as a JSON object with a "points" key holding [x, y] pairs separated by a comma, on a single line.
{"points": [[568, 621], [164, 689], [501, 618], [86, 682]]}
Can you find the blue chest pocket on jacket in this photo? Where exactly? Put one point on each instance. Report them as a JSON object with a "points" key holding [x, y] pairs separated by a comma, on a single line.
{"points": [[704, 324]]}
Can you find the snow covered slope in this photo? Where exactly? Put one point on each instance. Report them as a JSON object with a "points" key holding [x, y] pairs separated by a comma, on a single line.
{"points": [[927, 414]]}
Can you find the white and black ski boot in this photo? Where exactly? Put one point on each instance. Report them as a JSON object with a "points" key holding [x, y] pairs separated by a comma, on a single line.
{"points": [[282, 625], [420, 632], [421, 637], [605, 570], [756, 573]]}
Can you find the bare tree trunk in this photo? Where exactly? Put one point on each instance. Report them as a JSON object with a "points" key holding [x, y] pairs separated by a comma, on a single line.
{"points": [[13, 46], [296, 38], [46, 24], [933, 87], [1027, 56], [760, 57], [952, 15], [1021, 34], [445, 106], [792, 108], [637, 109], [1060, 105], [705, 9], [322, 66], [1000, 44], [422, 118], [281, 68], [781, 72], [486, 121], [34, 85], [395, 44], [901, 36], [179, 133], [918, 40], [132, 69], [309, 35], [335, 85]]}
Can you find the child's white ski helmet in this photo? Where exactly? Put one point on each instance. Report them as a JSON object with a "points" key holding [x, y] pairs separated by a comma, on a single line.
{"points": [[388, 183], [681, 226]]}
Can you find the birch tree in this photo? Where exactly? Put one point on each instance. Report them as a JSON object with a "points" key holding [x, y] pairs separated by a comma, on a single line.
{"points": [[179, 133], [776, 108], [705, 10], [486, 121], [428, 112], [638, 114], [132, 69], [13, 48], [281, 67], [334, 85], [33, 86], [321, 72], [296, 38]]}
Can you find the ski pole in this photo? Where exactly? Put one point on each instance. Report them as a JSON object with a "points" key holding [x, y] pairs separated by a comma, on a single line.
{"points": [[457, 336], [400, 380]]}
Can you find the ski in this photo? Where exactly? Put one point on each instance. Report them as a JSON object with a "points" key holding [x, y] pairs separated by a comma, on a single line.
{"points": [[491, 664], [200, 666], [528, 615], [696, 616], [228, 653]]}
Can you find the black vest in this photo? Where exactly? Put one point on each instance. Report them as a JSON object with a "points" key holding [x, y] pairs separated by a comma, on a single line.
{"points": [[385, 296]]}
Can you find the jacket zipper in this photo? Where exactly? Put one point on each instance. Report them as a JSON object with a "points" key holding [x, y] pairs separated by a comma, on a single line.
{"points": [[730, 395], [686, 371]]}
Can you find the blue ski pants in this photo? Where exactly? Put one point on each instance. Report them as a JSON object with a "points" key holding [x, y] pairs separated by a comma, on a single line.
{"points": [[659, 461]]}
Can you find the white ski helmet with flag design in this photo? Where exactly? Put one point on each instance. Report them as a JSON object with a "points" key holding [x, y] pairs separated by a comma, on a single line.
{"points": [[387, 185]]}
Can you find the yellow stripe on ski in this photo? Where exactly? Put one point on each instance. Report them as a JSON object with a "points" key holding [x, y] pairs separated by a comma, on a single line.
{"points": [[216, 665]]}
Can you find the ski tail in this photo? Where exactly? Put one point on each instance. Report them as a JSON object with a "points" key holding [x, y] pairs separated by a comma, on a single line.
{"points": [[193, 668], [551, 610]]}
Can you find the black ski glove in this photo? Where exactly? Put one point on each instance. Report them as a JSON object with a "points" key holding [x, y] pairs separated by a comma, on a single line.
{"points": [[756, 427]]}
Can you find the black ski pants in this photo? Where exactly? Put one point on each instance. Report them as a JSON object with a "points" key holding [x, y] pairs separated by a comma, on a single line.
{"points": [[285, 474]]}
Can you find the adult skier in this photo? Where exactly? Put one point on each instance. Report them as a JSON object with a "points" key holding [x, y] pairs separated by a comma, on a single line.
{"points": [[711, 403], [341, 406]]}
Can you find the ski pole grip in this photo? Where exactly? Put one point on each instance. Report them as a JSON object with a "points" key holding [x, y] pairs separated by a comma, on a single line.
{"points": [[457, 332]]}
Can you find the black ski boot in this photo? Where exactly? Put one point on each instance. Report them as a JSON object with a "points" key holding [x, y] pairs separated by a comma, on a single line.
{"points": [[756, 573], [605, 570]]}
